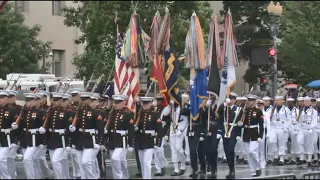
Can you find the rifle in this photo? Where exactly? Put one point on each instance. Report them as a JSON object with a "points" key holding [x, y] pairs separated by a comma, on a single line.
{"points": [[15, 82], [8, 83], [96, 84]]}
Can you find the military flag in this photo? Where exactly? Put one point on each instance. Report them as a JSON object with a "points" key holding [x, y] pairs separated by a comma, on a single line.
{"points": [[213, 54], [229, 60], [2, 3], [195, 60]]}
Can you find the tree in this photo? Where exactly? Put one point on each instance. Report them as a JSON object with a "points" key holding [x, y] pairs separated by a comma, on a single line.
{"points": [[96, 21], [300, 34], [20, 50]]}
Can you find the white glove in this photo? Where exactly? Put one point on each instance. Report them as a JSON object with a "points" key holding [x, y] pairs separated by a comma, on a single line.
{"points": [[267, 135], [42, 130], [295, 132], [165, 143], [179, 132], [156, 147], [152, 134], [201, 139], [96, 146], [102, 147], [68, 149], [137, 99], [240, 123], [72, 128], [171, 101], [136, 128], [130, 149], [166, 111], [209, 102], [238, 138], [105, 131], [310, 131], [73, 146], [163, 123], [285, 130], [218, 136], [41, 146], [228, 100], [13, 145], [259, 139], [165, 138], [154, 103], [14, 126]]}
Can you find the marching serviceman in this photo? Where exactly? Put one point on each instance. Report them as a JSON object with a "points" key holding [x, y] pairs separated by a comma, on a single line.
{"points": [[317, 133], [279, 126], [149, 126], [239, 149], [266, 116], [178, 126], [308, 121], [6, 136], [86, 122], [29, 121], [56, 124], [14, 112], [252, 134], [40, 162], [263, 142], [73, 139], [229, 114], [120, 131], [160, 160], [293, 114], [186, 103], [214, 134]]}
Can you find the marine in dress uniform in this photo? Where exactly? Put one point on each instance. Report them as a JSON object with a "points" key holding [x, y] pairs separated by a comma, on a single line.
{"points": [[87, 125], [29, 122], [229, 114], [213, 136], [137, 139], [186, 101], [73, 139], [307, 123], [178, 126], [279, 128], [150, 128], [103, 110], [293, 130], [263, 142], [252, 134], [120, 130], [12, 154], [160, 160], [6, 136], [239, 148], [56, 131], [40, 162]]}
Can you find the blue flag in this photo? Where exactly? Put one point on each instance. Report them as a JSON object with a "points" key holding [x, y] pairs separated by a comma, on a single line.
{"points": [[198, 90]]}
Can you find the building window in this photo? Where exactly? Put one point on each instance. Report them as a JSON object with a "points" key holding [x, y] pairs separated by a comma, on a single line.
{"points": [[57, 8], [22, 6], [57, 61]]}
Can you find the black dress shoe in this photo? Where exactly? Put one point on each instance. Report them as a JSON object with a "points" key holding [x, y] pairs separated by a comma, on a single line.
{"points": [[158, 174], [208, 169], [299, 162], [193, 175], [286, 161], [181, 172], [269, 162], [258, 173], [163, 171], [281, 163], [138, 175], [174, 174], [240, 161], [213, 173], [292, 162], [245, 162], [188, 163], [224, 161], [231, 175]]}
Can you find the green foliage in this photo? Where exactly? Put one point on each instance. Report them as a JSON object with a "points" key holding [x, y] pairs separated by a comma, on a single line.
{"points": [[20, 50], [96, 21], [300, 31]]}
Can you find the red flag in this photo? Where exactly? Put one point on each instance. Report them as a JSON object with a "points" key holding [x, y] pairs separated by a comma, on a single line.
{"points": [[2, 3]]}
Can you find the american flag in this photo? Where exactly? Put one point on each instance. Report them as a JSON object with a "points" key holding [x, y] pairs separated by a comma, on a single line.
{"points": [[2, 3], [123, 74]]}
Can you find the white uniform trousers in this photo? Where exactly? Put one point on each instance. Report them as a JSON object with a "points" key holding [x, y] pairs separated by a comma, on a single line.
{"points": [[187, 147], [279, 137], [251, 149], [40, 164], [316, 138], [89, 162], [79, 155], [238, 149], [177, 152], [12, 154], [57, 157], [262, 152], [75, 164], [305, 141], [97, 168], [119, 163], [145, 157], [4, 171], [160, 160], [28, 162], [294, 144]]}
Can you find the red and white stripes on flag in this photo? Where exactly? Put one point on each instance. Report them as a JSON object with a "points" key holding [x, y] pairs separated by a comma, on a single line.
{"points": [[126, 74]]}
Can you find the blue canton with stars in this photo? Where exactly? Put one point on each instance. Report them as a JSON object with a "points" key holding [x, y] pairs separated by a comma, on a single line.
{"points": [[119, 46]]}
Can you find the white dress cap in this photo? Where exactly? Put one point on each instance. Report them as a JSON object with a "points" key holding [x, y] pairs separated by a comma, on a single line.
{"points": [[266, 98], [279, 97], [300, 99], [146, 99], [290, 100]]}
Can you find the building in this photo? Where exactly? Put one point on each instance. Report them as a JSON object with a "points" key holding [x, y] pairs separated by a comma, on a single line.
{"points": [[49, 15], [240, 86]]}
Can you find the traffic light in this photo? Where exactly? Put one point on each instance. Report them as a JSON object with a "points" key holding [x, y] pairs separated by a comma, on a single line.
{"points": [[263, 84], [272, 53]]}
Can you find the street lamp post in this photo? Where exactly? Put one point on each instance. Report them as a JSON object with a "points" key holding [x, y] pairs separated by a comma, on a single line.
{"points": [[275, 12]]}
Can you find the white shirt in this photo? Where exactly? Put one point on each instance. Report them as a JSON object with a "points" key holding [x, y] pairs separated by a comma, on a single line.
{"points": [[308, 119], [280, 119]]}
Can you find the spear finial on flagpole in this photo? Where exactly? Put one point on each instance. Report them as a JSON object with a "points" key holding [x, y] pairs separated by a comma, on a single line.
{"points": [[213, 13], [194, 13], [157, 13], [229, 12]]}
